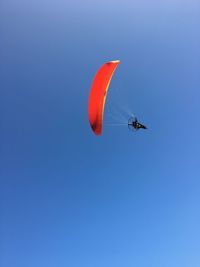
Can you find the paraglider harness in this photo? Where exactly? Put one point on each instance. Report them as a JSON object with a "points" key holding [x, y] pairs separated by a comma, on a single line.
{"points": [[133, 123]]}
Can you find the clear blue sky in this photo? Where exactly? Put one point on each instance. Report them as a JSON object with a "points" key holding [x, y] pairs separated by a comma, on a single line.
{"points": [[67, 197]]}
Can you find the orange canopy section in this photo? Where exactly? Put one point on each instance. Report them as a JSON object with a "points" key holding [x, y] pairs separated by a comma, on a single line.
{"points": [[97, 96]]}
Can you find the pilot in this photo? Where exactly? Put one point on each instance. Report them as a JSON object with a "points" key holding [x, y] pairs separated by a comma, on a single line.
{"points": [[137, 125]]}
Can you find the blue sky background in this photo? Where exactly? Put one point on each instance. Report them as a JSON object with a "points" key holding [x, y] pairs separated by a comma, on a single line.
{"points": [[67, 197]]}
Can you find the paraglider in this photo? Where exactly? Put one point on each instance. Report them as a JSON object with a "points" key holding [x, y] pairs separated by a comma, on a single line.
{"points": [[98, 94], [97, 99]]}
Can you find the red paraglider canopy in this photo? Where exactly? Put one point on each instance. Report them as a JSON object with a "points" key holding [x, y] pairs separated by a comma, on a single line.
{"points": [[97, 96]]}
